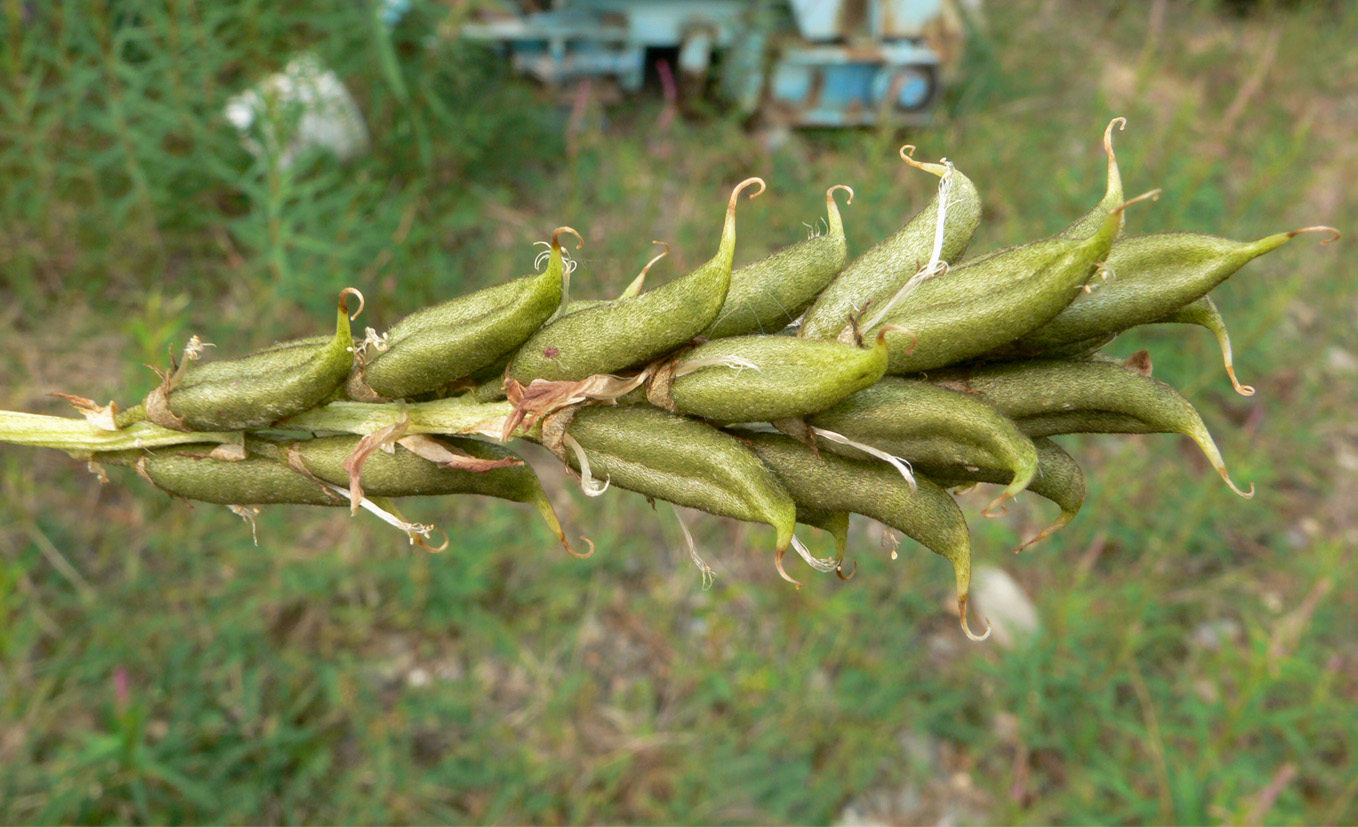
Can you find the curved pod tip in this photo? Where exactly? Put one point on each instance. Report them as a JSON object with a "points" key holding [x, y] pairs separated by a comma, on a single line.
{"points": [[1335, 235], [657, 257], [839, 571], [830, 194], [1121, 123], [418, 540], [556, 237], [1243, 390], [344, 302], [579, 555], [1249, 495], [997, 507], [935, 169], [731, 205], [782, 572], [966, 629], [1061, 522]]}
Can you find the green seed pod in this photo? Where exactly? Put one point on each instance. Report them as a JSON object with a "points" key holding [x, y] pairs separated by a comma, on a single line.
{"points": [[935, 426], [771, 293], [1082, 349], [1204, 313], [870, 280], [1083, 422], [190, 472], [1151, 276], [403, 473], [1089, 223], [981, 306], [260, 389], [763, 378], [626, 332], [1050, 396], [437, 345], [1058, 478], [1092, 221], [673, 458], [928, 515]]}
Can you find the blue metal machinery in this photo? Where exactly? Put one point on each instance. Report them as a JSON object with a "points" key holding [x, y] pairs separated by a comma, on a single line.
{"points": [[794, 62]]}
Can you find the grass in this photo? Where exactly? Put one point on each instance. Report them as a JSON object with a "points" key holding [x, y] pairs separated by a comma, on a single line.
{"points": [[1195, 660]]}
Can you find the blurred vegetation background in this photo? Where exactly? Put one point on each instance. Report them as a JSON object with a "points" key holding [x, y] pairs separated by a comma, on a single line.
{"points": [[1194, 661]]}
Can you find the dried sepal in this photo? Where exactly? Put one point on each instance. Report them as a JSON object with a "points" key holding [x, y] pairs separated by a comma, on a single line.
{"points": [[103, 417], [448, 456], [367, 446], [543, 397]]}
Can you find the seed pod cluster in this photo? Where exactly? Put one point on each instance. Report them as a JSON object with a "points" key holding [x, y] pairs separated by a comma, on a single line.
{"points": [[913, 371]]}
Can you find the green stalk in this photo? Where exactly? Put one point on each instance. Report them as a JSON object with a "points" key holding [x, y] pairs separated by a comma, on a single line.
{"points": [[455, 415], [76, 436]]}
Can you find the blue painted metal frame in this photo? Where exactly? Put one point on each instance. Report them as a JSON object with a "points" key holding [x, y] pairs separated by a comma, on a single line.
{"points": [[830, 71]]}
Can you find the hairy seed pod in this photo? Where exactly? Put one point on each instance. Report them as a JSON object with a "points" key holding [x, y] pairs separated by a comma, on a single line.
{"points": [[437, 345], [763, 378], [1092, 221], [1058, 478], [1052, 396], [1204, 313], [1089, 223], [980, 306], [404, 473], [870, 280], [680, 460], [926, 424], [1150, 276], [609, 337], [260, 389], [191, 472], [928, 515], [771, 293]]}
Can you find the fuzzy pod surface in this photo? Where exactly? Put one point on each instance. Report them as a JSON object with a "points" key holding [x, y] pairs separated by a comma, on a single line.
{"points": [[680, 460], [1150, 276], [403, 473], [925, 423], [763, 378], [869, 281], [928, 515], [629, 331], [256, 390], [1046, 397], [1059, 479], [978, 307], [771, 293], [435, 346], [191, 473]]}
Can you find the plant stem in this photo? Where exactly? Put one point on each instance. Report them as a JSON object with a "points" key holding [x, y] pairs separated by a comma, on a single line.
{"points": [[456, 415], [77, 437]]}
